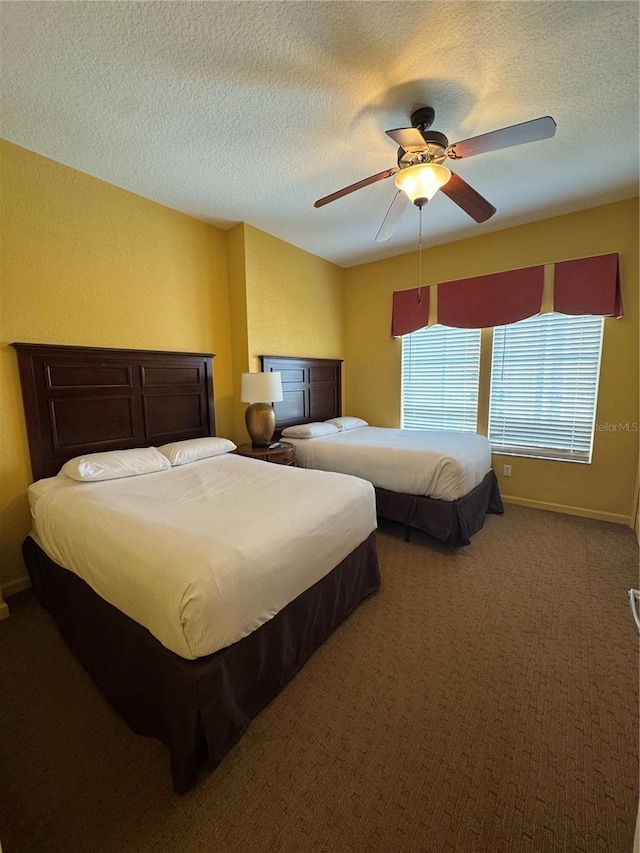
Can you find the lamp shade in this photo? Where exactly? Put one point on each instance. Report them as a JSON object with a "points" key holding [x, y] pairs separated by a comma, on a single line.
{"points": [[422, 181], [261, 388]]}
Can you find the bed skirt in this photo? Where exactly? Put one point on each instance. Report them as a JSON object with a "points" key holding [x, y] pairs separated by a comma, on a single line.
{"points": [[453, 522], [198, 708]]}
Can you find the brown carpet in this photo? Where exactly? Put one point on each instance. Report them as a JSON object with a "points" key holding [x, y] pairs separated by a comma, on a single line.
{"points": [[486, 699]]}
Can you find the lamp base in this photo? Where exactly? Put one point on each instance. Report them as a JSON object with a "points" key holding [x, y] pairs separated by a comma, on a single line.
{"points": [[260, 420]]}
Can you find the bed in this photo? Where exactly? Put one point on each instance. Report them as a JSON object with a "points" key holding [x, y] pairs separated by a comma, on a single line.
{"points": [[191, 679], [437, 482]]}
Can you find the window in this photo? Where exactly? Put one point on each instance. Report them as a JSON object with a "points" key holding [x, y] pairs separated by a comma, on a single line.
{"points": [[544, 386], [440, 377]]}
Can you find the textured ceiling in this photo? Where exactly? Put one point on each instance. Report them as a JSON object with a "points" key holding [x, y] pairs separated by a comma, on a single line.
{"points": [[250, 111]]}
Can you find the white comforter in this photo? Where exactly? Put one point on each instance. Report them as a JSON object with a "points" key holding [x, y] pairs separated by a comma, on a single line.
{"points": [[438, 464], [205, 553]]}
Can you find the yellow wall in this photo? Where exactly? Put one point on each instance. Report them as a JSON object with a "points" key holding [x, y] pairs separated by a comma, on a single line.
{"points": [[294, 303], [86, 263], [605, 488], [239, 338]]}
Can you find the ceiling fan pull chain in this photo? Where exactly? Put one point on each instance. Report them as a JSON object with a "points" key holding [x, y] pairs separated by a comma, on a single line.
{"points": [[420, 259]]}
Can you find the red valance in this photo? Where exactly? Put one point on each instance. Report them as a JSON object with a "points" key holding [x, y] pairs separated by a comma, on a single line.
{"points": [[410, 311], [581, 287], [588, 286], [491, 300]]}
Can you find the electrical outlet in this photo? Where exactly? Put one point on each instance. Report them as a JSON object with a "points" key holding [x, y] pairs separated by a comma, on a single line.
{"points": [[506, 470]]}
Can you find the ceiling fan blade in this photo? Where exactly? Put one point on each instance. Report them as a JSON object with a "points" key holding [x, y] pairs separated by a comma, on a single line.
{"points": [[396, 209], [408, 138], [464, 195], [517, 134], [357, 186]]}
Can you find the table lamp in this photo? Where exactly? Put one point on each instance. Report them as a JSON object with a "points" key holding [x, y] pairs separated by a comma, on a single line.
{"points": [[261, 390]]}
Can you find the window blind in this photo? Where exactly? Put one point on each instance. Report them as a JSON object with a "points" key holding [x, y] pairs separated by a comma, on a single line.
{"points": [[544, 386], [440, 376]]}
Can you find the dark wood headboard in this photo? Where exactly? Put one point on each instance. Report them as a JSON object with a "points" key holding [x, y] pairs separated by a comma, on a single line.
{"points": [[311, 387], [81, 400]]}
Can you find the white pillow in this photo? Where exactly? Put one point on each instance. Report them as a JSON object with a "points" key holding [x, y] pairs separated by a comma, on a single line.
{"points": [[347, 423], [116, 463], [314, 430], [182, 452]]}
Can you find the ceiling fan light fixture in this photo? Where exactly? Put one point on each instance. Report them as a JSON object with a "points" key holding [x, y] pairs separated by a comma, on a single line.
{"points": [[422, 181]]}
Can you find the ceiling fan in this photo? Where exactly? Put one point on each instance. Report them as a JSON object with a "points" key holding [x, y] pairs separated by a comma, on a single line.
{"points": [[420, 173]]}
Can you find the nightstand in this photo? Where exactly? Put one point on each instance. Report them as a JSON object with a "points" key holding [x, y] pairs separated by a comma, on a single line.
{"points": [[283, 455]]}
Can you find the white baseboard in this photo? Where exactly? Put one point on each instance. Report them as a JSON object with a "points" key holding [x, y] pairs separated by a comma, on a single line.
{"points": [[12, 587], [615, 518], [8, 589]]}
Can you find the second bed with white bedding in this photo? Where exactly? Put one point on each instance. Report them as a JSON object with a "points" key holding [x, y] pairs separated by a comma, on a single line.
{"points": [[205, 553], [431, 463]]}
